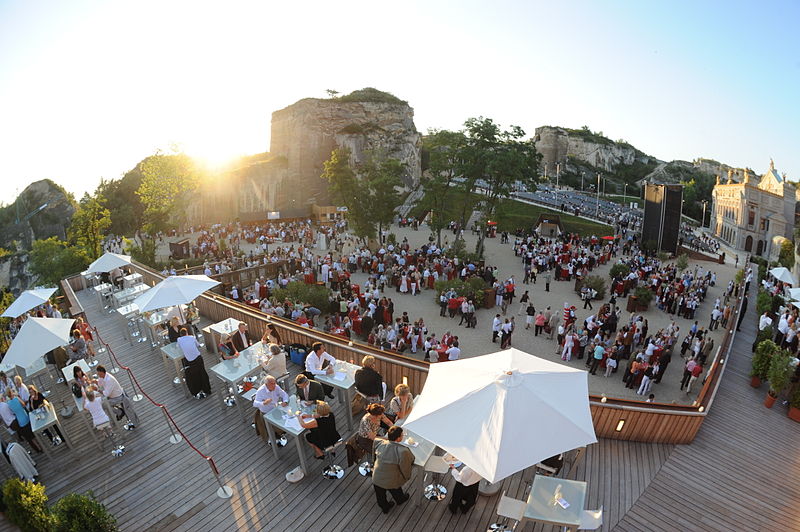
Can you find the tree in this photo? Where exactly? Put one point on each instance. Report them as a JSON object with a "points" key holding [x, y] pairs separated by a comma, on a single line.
{"points": [[443, 147], [496, 160], [52, 260], [166, 180], [332, 93], [786, 256], [89, 225], [369, 192], [121, 199]]}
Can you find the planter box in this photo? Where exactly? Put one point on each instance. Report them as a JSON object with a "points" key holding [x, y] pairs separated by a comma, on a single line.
{"points": [[769, 400], [755, 382], [488, 297], [794, 413]]}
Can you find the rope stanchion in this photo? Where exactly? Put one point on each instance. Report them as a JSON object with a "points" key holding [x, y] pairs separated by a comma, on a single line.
{"points": [[223, 491], [175, 438], [136, 397]]}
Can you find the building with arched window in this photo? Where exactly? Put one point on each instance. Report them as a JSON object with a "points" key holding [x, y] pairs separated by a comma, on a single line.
{"points": [[750, 215]]}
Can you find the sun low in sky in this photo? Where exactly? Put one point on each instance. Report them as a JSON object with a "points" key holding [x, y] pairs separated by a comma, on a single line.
{"points": [[88, 89]]}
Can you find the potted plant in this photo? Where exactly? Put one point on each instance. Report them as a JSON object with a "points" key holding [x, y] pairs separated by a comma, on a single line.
{"points": [[643, 297], [596, 283], [82, 512], [761, 362], [26, 505], [794, 405], [779, 374], [766, 334]]}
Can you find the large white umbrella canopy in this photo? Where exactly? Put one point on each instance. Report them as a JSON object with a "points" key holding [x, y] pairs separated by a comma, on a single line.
{"points": [[503, 412], [36, 337], [782, 274], [174, 290], [27, 300], [794, 293], [108, 262]]}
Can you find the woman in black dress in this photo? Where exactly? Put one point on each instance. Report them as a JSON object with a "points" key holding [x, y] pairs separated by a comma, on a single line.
{"points": [[321, 429], [174, 330]]}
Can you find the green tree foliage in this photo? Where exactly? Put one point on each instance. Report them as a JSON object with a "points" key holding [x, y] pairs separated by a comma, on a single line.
{"points": [[369, 192], [121, 199], [442, 147], [166, 180], [786, 256], [89, 225], [52, 260], [82, 513], [26, 505], [299, 292], [695, 190], [500, 159]]}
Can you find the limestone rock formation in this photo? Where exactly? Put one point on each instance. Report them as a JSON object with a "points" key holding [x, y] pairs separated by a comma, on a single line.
{"points": [[562, 145], [306, 133], [42, 210]]}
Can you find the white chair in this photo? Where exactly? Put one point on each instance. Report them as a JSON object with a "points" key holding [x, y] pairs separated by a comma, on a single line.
{"points": [[591, 519], [509, 509]]}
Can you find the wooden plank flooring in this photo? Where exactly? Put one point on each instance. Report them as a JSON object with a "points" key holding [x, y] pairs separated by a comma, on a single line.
{"points": [[741, 472], [161, 486]]}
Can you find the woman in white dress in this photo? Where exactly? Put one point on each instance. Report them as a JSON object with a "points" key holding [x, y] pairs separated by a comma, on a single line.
{"points": [[404, 284]]}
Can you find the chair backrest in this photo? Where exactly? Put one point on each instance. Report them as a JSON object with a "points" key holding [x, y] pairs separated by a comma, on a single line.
{"points": [[511, 508], [591, 519], [333, 447]]}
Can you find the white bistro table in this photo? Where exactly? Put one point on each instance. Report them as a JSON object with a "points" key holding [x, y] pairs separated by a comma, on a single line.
{"points": [[227, 326], [543, 507], [129, 314], [132, 279], [285, 419], [172, 353], [343, 379], [68, 372], [234, 370], [45, 418]]}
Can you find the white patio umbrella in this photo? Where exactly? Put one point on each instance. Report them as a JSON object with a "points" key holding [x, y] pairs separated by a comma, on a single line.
{"points": [[782, 274], [794, 293], [27, 300], [36, 337], [108, 262], [503, 412], [174, 290]]}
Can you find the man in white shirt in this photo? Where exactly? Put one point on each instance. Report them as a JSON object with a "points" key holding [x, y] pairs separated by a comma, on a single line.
{"points": [[316, 365], [453, 352], [764, 322], [5, 412], [268, 396], [113, 391], [465, 490], [496, 325], [194, 369]]}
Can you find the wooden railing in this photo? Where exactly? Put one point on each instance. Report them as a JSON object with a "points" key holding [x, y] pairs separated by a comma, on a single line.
{"points": [[73, 306], [620, 419]]}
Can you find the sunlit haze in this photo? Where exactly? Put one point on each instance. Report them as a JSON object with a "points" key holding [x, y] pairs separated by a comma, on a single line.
{"points": [[90, 88]]}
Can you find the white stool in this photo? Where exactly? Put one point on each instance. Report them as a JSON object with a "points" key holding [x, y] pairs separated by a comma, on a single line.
{"points": [[437, 466], [332, 471]]}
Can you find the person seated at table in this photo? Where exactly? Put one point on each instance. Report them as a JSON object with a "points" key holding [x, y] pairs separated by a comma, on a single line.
{"points": [[369, 382], [320, 362], [302, 320], [268, 396], [194, 369], [93, 403], [22, 423], [401, 404], [174, 329], [80, 379], [21, 389], [308, 391], [271, 335], [226, 348], [241, 338], [370, 424], [77, 347], [321, 427], [274, 351], [86, 332], [37, 400]]}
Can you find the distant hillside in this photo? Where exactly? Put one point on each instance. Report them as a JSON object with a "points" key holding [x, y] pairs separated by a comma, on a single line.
{"points": [[42, 210]]}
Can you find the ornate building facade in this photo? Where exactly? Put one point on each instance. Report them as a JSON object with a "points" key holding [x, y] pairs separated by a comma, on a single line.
{"points": [[754, 216]]}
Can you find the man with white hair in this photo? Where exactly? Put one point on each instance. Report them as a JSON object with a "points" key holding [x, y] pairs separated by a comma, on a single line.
{"points": [[267, 397]]}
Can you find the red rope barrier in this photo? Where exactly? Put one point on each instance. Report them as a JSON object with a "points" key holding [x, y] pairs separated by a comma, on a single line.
{"points": [[162, 406]]}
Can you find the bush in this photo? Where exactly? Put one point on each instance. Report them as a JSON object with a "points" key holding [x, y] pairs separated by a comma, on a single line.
{"points": [[643, 295], [762, 359], [300, 292], [786, 256], [597, 283], [763, 302], [766, 334], [779, 372], [82, 513], [474, 288], [26, 504], [794, 400], [682, 262], [739, 278], [619, 270]]}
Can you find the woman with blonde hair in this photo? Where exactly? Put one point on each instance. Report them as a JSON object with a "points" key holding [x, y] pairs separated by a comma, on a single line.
{"points": [[321, 427], [401, 404], [174, 329]]}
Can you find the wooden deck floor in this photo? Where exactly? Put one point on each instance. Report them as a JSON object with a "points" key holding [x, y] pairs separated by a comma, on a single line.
{"points": [[161, 486], [742, 472]]}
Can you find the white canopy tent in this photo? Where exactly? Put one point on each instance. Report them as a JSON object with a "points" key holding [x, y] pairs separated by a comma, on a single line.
{"points": [[782, 274], [174, 290], [108, 262], [36, 337], [503, 412], [27, 300]]}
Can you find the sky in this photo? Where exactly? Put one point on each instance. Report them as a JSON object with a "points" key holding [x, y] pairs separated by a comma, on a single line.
{"points": [[89, 88]]}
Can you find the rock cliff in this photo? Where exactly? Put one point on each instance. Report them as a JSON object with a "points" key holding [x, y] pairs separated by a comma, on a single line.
{"points": [[306, 133], [42, 210]]}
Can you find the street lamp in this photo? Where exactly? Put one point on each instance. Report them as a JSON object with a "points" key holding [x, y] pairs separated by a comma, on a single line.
{"points": [[703, 220], [597, 212], [767, 240], [624, 193]]}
